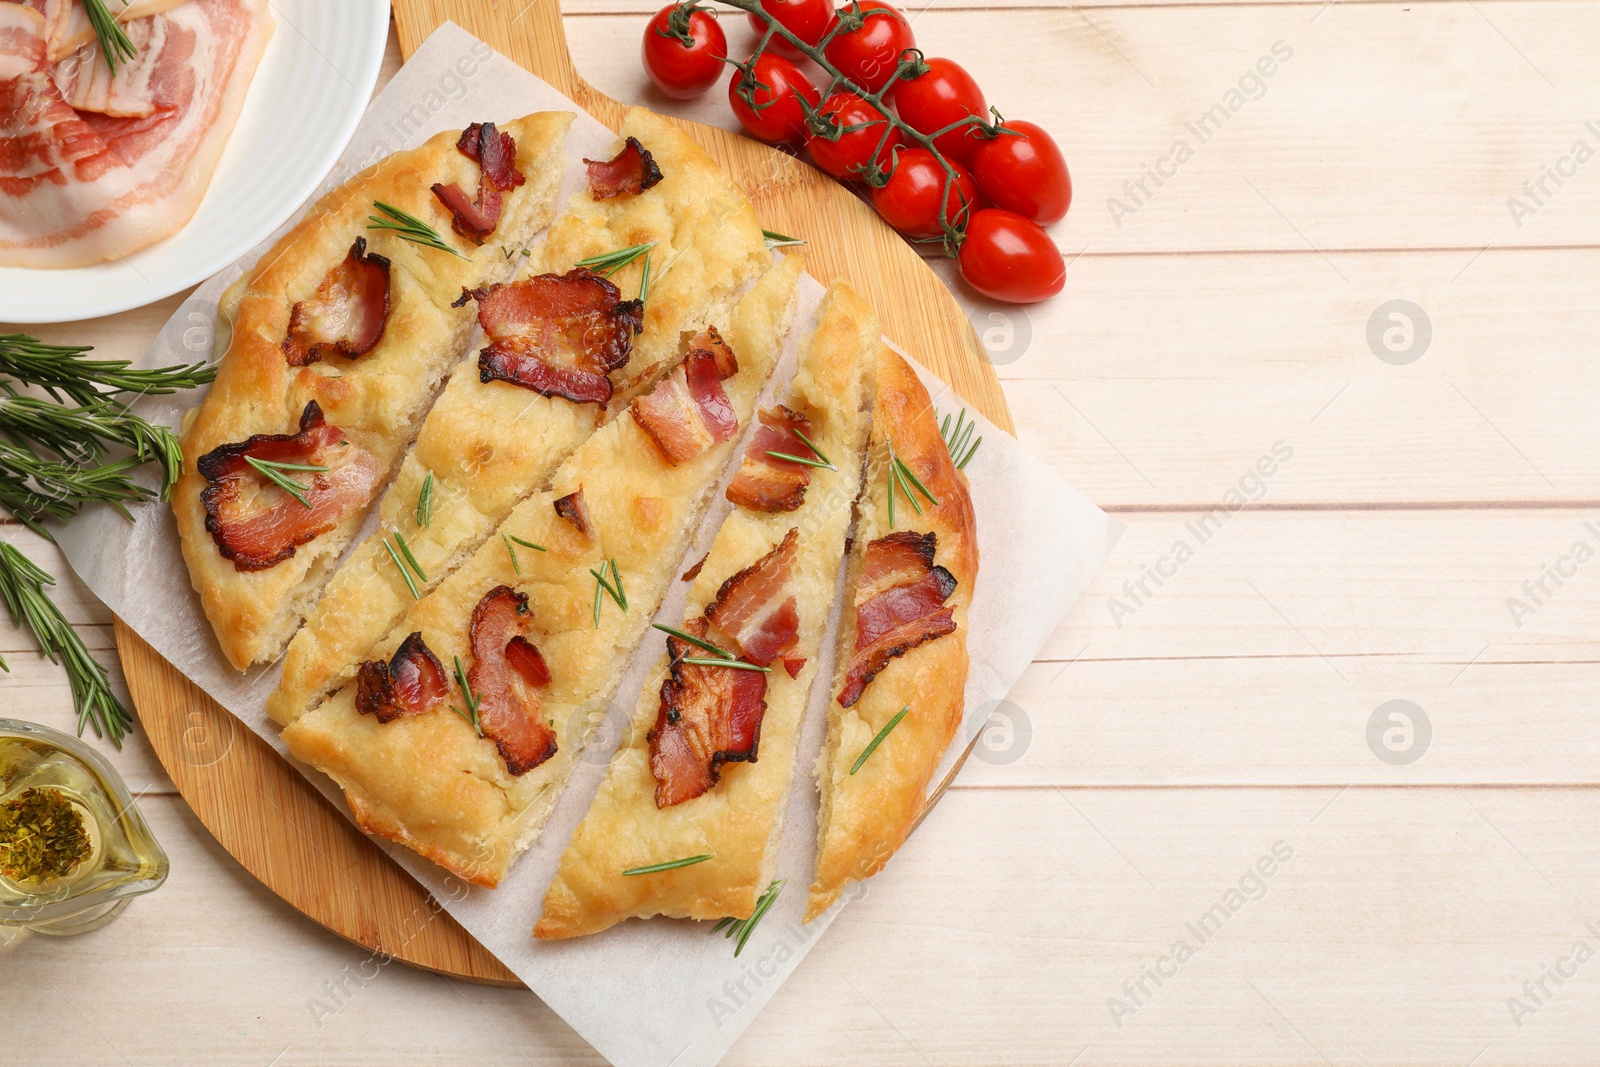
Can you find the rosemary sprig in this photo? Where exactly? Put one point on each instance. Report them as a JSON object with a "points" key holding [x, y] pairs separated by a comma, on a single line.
{"points": [[698, 642], [511, 550], [644, 279], [955, 441], [62, 370], [872, 746], [22, 585], [472, 700], [907, 473], [613, 588], [425, 502], [406, 550], [114, 42], [670, 865], [401, 567], [814, 449], [808, 461], [34, 489], [86, 432], [903, 477], [527, 544], [406, 225], [272, 471], [778, 240], [743, 928], [733, 664], [608, 263]]}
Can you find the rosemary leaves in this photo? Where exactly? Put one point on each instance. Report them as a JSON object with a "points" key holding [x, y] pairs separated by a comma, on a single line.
{"points": [[408, 226]]}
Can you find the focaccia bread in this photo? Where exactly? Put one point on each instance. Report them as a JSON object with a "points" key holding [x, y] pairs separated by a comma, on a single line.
{"points": [[572, 577], [704, 768], [902, 639], [340, 337], [487, 444]]}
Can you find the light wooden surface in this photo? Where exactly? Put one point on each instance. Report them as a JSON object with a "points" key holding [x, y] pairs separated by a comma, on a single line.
{"points": [[1228, 712]]}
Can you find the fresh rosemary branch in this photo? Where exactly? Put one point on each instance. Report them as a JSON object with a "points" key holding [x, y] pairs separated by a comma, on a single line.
{"points": [[405, 550], [743, 928], [608, 263], [778, 240], [808, 461], [272, 471], [22, 585], [670, 865], [34, 489], [698, 642], [406, 225], [85, 433], [425, 502], [955, 441], [401, 567], [114, 42], [872, 746], [733, 664], [613, 588], [644, 279], [472, 700], [62, 370], [511, 549]]}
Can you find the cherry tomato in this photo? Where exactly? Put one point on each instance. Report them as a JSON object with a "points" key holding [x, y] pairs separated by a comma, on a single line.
{"points": [[846, 157], [772, 112], [869, 54], [806, 19], [1011, 258], [683, 50], [1024, 173], [909, 201], [933, 100]]}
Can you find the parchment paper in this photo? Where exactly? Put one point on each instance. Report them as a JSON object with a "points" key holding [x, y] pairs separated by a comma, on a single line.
{"points": [[645, 994]]}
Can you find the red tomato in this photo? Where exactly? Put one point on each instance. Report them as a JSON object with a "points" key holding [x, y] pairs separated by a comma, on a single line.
{"points": [[806, 19], [766, 98], [1010, 258], [846, 157], [869, 53], [683, 50], [910, 200], [935, 99], [1024, 173]]}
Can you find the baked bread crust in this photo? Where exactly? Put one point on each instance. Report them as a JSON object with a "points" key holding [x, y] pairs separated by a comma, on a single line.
{"points": [[428, 781], [377, 399], [865, 817], [487, 445], [739, 819]]}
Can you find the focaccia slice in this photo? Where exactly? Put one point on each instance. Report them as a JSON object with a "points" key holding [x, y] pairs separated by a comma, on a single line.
{"points": [[705, 768], [539, 640], [902, 639], [488, 442], [340, 337]]}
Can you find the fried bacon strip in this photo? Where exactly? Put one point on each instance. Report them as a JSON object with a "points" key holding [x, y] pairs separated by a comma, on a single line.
{"points": [[755, 608], [572, 508], [557, 334], [900, 597], [257, 524], [508, 712], [688, 411], [409, 684], [631, 171], [708, 716], [348, 314], [764, 482], [496, 155]]}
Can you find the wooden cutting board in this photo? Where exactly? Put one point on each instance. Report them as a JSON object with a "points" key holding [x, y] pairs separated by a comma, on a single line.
{"points": [[262, 810]]}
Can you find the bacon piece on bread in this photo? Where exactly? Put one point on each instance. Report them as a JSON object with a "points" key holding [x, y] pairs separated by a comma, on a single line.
{"points": [[631, 171], [900, 595], [708, 716], [688, 411], [508, 710], [756, 608], [348, 314], [412, 682], [765, 482]]}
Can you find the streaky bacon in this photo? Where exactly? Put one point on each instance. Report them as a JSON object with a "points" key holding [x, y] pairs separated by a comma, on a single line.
{"points": [[494, 151], [557, 334], [899, 599], [412, 682], [526, 659], [755, 607], [509, 714], [764, 482], [88, 83], [572, 508], [708, 716], [632, 171], [347, 316], [710, 341], [496, 155], [263, 528], [688, 411], [473, 220]]}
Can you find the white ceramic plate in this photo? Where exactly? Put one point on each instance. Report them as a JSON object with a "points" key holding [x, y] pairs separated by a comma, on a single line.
{"points": [[309, 92]]}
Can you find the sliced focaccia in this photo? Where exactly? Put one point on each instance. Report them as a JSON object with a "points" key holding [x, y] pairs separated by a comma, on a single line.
{"points": [[463, 726], [706, 766], [902, 639], [560, 343], [340, 337]]}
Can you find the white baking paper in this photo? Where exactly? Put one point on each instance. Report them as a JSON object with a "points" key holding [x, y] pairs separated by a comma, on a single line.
{"points": [[645, 994]]}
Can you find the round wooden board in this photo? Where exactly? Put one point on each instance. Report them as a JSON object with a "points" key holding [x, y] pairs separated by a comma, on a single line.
{"points": [[261, 809]]}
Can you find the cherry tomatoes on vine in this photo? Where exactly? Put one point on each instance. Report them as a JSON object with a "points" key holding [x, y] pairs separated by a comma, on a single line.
{"points": [[868, 49], [909, 201], [1024, 172], [852, 151], [806, 19], [1011, 258], [932, 100], [765, 95], [683, 50]]}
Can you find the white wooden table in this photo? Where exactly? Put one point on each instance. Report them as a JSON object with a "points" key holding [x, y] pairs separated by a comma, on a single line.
{"points": [[1177, 740]]}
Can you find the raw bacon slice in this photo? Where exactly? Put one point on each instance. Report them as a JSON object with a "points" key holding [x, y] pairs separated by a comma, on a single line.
{"points": [[22, 41], [67, 25], [496, 155], [755, 608], [409, 684], [507, 712], [348, 314], [67, 199], [709, 716], [257, 524], [88, 83], [900, 597], [572, 508], [765, 482], [557, 334], [631, 171], [688, 411]]}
